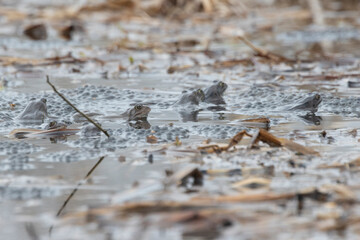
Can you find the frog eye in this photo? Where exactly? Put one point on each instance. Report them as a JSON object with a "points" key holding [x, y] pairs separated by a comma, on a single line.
{"points": [[221, 84], [199, 91], [138, 107], [317, 96]]}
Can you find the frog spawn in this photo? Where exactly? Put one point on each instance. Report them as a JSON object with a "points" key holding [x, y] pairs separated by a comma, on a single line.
{"points": [[266, 96]]}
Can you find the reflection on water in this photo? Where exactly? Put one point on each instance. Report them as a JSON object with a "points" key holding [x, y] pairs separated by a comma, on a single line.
{"points": [[311, 118], [217, 114], [189, 116], [140, 124], [58, 139], [216, 108]]}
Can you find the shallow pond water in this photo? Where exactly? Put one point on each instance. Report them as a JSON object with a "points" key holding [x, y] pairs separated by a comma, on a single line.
{"points": [[116, 62]]}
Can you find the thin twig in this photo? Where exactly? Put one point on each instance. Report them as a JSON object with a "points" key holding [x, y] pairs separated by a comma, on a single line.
{"points": [[82, 114], [264, 53], [76, 188], [78, 185], [31, 231]]}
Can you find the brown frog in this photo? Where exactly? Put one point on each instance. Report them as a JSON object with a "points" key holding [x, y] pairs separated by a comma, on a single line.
{"points": [[36, 110], [214, 93], [55, 125], [309, 104], [138, 112], [194, 97]]}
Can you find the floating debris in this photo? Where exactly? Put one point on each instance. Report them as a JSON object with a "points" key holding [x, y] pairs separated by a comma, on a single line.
{"points": [[151, 139], [183, 176], [36, 32]]}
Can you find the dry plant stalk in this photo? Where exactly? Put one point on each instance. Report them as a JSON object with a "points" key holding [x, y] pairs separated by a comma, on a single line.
{"points": [[67, 59], [257, 120], [75, 190], [263, 136], [21, 133], [297, 147], [266, 54], [266, 137], [237, 138]]}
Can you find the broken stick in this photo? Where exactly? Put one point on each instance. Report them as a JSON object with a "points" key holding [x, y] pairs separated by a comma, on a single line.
{"points": [[75, 108]]}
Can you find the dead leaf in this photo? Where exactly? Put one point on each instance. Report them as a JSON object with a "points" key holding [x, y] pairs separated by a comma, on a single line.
{"points": [[266, 171], [256, 123], [260, 135], [173, 69], [264, 53], [36, 32], [346, 165], [223, 172], [110, 5], [298, 148], [331, 212], [312, 193], [12, 14], [338, 224], [237, 138], [266, 137], [213, 148], [333, 165], [253, 197], [179, 43], [68, 31], [177, 141], [259, 120], [353, 132], [67, 59], [142, 68], [151, 139], [341, 192], [355, 163], [139, 207], [232, 63], [182, 176], [252, 183], [37, 133]]}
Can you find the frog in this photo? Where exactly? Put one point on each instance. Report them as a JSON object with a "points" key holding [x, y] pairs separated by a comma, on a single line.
{"points": [[56, 125], [311, 118], [36, 110], [309, 104], [136, 113], [139, 112], [79, 118], [90, 130], [214, 93], [191, 98]]}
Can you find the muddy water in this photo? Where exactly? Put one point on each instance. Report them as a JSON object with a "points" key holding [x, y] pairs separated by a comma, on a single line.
{"points": [[37, 175]]}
